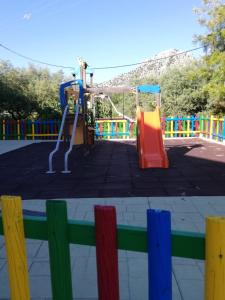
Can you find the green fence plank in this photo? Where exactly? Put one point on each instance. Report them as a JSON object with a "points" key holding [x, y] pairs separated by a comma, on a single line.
{"points": [[82, 233], [132, 238], [188, 244], [36, 228], [59, 252]]}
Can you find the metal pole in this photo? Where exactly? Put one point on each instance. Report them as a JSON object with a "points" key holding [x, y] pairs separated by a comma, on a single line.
{"points": [[71, 140], [50, 170], [92, 97], [158, 100], [83, 66], [123, 105], [137, 97]]}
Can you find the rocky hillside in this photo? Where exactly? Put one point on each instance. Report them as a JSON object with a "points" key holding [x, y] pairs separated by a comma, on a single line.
{"points": [[153, 67]]}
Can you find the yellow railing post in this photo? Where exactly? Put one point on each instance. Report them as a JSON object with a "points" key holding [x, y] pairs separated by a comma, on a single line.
{"points": [[124, 129], [217, 128], [171, 128], [188, 126], [18, 129], [108, 129], [211, 128], [33, 131], [215, 259], [15, 247], [3, 130]]}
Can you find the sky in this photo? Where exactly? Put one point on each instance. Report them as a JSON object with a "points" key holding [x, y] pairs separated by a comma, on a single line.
{"points": [[104, 33]]}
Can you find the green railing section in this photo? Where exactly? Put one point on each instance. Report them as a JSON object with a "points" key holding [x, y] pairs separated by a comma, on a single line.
{"points": [[131, 238]]}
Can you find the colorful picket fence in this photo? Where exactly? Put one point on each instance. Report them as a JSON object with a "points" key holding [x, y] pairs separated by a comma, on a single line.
{"points": [[29, 130], [111, 129], [172, 127], [213, 127], [157, 240]]}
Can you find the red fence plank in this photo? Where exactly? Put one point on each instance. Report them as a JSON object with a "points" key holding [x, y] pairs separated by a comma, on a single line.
{"points": [[106, 253]]}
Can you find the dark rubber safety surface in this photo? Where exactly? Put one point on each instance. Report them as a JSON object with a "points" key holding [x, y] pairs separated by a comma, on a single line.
{"points": [[197, 168]]}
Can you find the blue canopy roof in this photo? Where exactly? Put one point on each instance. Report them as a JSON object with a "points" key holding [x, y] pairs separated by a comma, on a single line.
{"points": [[153, 89]]}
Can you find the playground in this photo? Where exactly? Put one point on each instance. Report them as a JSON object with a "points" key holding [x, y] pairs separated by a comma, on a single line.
{"points": [[110, 169], [107, 173], [140, 202]]}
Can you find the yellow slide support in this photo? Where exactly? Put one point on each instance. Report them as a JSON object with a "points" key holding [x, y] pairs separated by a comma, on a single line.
{"points": [[15, 247]]}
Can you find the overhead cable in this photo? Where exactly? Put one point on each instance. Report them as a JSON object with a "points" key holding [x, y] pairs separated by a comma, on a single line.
{"points": [[35, 60], [146, 61], [99, 68]]}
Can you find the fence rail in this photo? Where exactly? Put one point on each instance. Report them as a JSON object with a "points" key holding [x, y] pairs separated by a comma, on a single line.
{"points": [[172, 127]]}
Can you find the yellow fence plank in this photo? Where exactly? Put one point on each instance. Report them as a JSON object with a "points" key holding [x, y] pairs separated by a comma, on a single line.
{"points": [[3, 129], [15, 247], [108, 130], [188, 127], [33, 131], [124, 130], [111, 121], [171, 129], [18, 129], [42, 134], [182, 131], [211, 127], [215, 259]]}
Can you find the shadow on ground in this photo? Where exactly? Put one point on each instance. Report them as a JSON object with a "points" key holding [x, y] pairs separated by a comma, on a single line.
{"points": [[197, 168]]}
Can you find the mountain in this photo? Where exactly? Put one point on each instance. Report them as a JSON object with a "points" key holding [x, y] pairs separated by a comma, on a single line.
{"points": [[153, 67]]}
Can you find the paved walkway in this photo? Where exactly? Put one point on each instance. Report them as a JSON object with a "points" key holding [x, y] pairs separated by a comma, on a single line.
{"points": [[10, 145], [188, 214]]}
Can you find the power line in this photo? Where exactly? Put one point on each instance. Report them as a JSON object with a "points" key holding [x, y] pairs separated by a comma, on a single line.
{"points": [[98, 68], [35, 60], [146, 61]]}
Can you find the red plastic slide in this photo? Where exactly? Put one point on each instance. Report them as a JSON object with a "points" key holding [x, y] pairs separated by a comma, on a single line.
{"points": [[150, 145]]}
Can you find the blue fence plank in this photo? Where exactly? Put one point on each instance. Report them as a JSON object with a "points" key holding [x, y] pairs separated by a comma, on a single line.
{"points": [[223, 130], [112, 126], [7, 129], [159, 254], [176, 125]]}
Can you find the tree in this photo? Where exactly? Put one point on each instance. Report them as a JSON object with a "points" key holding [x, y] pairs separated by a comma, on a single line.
{"points": [[103, 108], [212, 16], [15, 99], [45, 88], [182, 92], [29, 92]]}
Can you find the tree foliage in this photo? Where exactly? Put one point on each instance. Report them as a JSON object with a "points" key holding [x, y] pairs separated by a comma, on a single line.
{"points": [[33, 92], [29, 92], [212, 16], [182, 92]]}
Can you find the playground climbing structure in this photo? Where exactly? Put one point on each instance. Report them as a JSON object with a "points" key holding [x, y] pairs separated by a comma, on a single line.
{"points": [[150, 146]]}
